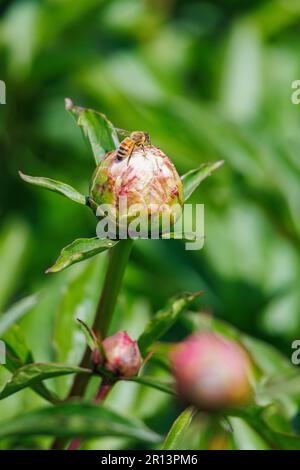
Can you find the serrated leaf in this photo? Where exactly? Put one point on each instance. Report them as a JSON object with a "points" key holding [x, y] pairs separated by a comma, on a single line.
{"points": [[80, 250], [35, 373], [194, 178], [55, 186], [16, 312], [77, 420], [178, 429], [99, 131], [163, 321], [18, 355]]}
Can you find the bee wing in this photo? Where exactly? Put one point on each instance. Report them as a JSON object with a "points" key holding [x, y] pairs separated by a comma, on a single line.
{"points": [[122, 132]]}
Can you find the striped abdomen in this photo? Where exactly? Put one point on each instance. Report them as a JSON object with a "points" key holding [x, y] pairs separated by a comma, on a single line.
{"points": [[126, 148]]}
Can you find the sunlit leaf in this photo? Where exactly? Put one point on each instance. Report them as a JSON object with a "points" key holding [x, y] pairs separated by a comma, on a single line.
{"points": [[55, 186], [153, 382], [14, 244], [280, 386], [17, 311], [18, 355], [254, 416], [77, 420], [194, 178], [32, 374], [163, 320], [99, 131], [79, 250], [179, 427]]}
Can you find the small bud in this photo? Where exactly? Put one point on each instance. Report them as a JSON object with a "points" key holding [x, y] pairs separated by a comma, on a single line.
{"points": [[211, 372], [97, 357], [122, 355], [144, 186]]}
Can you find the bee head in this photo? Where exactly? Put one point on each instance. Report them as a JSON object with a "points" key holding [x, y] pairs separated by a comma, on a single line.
{"points": [[140, 137]]}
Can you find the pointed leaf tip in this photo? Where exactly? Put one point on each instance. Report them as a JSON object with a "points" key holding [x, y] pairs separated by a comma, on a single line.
{"points": [[97, 129], [80, 250], [194, 178], [55, 186]]}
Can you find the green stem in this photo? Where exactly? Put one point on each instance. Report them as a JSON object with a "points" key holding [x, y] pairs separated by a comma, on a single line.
{"points": [[119, 256]]}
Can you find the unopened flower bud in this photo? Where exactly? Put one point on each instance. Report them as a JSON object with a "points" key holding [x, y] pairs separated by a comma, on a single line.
{"points": [[97, 357], [212, 372], [144, 186], [122, 355]]}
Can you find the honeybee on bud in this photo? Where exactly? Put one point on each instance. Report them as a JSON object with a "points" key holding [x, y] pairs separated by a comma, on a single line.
{"points": [[136, 139]]}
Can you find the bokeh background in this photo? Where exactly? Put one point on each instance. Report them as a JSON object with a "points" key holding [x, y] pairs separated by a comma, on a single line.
{"points": [[209, 80]]}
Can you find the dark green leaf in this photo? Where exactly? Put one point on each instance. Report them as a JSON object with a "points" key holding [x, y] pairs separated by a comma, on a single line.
{"points": [[163, 321], [99, 131], [73, 420], [178, 429], [194, 178], [17, 311], [79, 250], [32, 374], [56, 186]]}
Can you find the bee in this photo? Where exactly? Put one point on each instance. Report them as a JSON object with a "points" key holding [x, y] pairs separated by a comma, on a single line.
{"points": [[136, 139]]}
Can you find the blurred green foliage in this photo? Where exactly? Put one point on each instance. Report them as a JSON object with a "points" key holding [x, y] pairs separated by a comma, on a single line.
{"points": [[209, 80]]}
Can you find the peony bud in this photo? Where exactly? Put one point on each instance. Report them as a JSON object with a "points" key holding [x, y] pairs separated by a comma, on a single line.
{"points": [[97, 357], [122, 355], [145, 186], [211, 372]]}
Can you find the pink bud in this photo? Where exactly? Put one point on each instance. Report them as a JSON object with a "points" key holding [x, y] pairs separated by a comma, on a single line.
{"points": [[211, 372], [97, 357], [145, 186], [122, 355]]}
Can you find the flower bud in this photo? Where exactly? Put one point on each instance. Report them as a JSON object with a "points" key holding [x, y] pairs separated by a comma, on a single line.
{"points": [[122, 355], [212, 373], [145, 186], [97, 357]]}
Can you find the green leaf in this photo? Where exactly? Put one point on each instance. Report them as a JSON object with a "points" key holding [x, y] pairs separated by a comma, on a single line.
{"points": [[255, 417], [278, 387], [79, 299], [194, 178], [55, 186], [99, 131], [18, 355], [35, 373], [178, 429], [82, 420], [91, 338], [154, 383], [163, 321], [80, 250], [17, 311]]}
